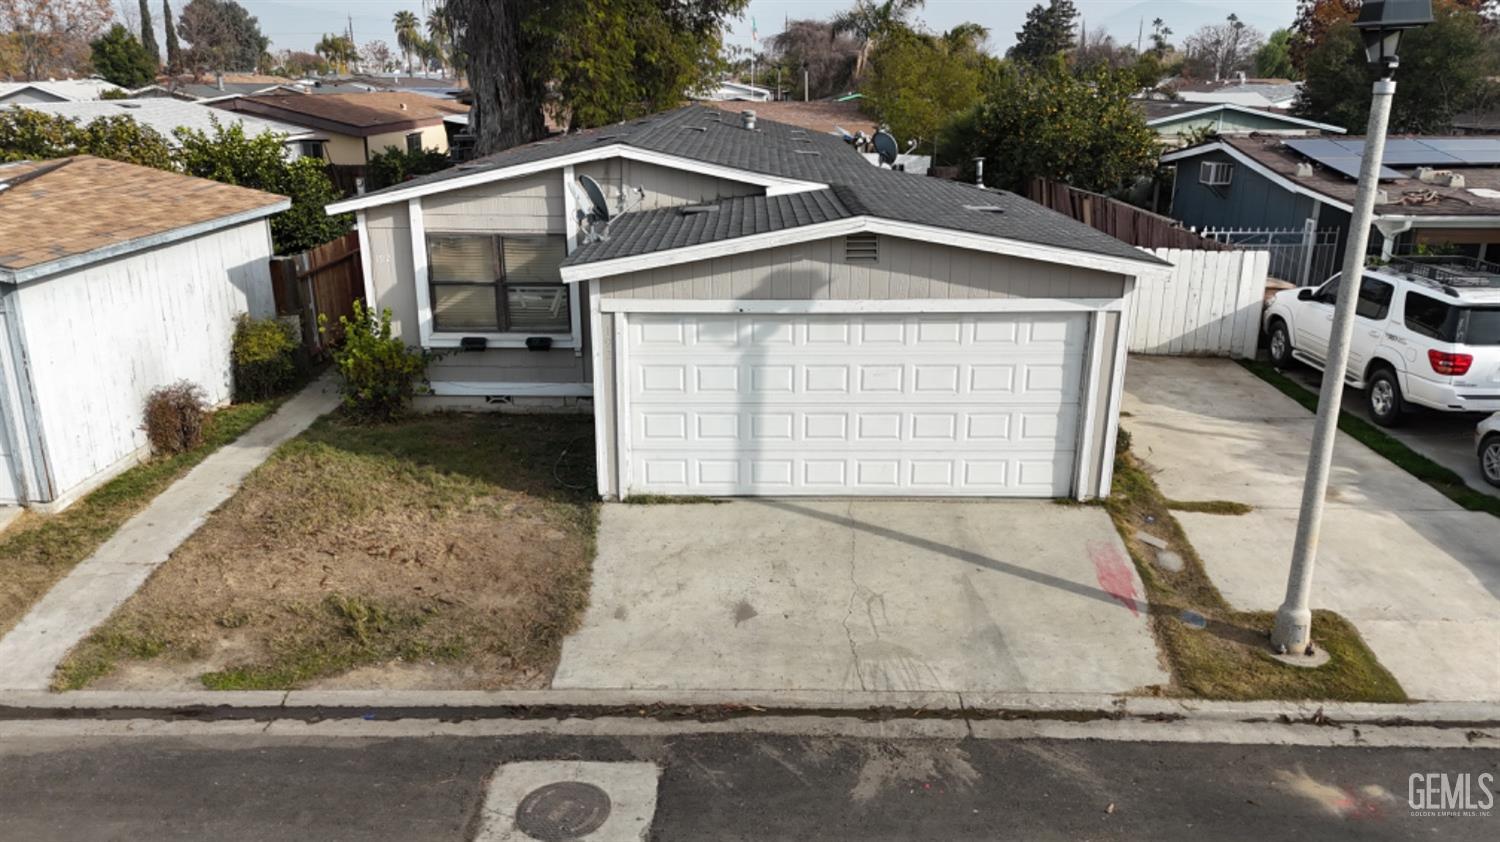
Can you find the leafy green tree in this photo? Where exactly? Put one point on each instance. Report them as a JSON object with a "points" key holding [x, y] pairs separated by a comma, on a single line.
{"points": [[1047, 121], [121, 59], [1445, 67], [174, 49], [28, 135], [597, 62], [221, 36], [226, 154], [1048, 31], [337, 50], [148, 34], [393, 165], [1274, 59], [920, 81]]}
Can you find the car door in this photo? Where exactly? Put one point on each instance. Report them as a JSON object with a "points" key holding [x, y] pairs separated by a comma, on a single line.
{"points": [[1315, 320], [1370, 316]]}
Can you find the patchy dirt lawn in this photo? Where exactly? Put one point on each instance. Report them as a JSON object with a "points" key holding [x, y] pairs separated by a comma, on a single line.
{"points": [[443, 551]]}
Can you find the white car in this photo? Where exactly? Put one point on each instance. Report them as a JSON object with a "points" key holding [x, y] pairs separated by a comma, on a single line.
{"points": [[1426, 333], [1487, 441]]}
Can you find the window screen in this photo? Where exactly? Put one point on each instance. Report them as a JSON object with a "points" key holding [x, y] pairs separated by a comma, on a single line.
{"points": [[483, 283], [414, 142]]}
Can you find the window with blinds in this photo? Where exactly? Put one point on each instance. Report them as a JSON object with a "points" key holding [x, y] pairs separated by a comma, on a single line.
{"points": [[484, 283]]}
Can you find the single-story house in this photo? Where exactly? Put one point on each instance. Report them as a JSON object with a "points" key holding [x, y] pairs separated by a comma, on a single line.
{"points": [[114, 280], [1174, 119], [1279, 94], [166, 114], [358, 125], [763, 313], [1438, 191], [55, 90]]}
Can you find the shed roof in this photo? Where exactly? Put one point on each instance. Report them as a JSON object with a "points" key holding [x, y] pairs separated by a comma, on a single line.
{"points": [[84, 208], [352, 113]]}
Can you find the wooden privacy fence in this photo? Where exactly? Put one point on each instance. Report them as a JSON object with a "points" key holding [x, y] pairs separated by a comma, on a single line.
{"points": [[322, 281], [1209, 304], [1118, 219]]}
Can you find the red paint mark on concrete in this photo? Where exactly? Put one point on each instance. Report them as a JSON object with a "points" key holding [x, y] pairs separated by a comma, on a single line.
{"points": [[1115, 574]]}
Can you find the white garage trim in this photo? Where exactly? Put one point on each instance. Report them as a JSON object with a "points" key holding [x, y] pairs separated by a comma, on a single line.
{"points": [[599, 375], [1084, 454], [896, 305], [1116, 393]]}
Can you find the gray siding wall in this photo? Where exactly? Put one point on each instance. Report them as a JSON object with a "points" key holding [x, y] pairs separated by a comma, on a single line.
{"points": [[1250, 201], [906, 269], [531, 204], [395, 288], [665, 188]]}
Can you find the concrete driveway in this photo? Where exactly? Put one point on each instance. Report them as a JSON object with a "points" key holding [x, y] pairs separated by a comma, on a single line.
{"points": [[1418, 575], [862, 595]]}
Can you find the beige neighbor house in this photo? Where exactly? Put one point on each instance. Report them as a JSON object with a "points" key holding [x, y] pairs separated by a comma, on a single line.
{"points": [[765, 313], [115, 280], [355, 126]]}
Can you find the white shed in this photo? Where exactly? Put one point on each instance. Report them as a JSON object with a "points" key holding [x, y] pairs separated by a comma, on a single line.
{"points": [[115, 279]]}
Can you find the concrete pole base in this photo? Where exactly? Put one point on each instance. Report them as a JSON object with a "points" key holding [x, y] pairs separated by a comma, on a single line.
{"points": [[1293, 630]]}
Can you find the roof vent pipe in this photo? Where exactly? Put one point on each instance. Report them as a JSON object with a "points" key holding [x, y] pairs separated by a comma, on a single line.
{"points": [[1242, 77], [219, 80], [747, 120], [979, 171]]}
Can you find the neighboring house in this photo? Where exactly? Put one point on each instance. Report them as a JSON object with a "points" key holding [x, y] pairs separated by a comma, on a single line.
{"points": [[727, 90], [769, 314], [1430, 195], [359, 125], [1174, 119], [824, 115], [1256, 93], [166, 115], [55, 90], [223, 86], [114, 280]]}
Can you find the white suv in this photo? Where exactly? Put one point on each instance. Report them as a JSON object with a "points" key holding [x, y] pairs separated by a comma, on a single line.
{"points": [[1487, 442], [1426, 332]]}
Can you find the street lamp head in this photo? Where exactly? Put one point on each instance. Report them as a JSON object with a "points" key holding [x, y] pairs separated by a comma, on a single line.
{"points": [[1382, 22]]}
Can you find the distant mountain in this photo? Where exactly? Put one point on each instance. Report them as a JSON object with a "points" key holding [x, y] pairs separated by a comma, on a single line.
{"points": [[1185, 17]]}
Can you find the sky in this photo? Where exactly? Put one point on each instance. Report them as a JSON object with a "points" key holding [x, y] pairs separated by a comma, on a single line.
{"points": [[297, 24]]}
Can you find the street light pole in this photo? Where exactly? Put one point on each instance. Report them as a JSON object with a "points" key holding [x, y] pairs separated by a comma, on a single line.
{"points": [[1382, 23]]}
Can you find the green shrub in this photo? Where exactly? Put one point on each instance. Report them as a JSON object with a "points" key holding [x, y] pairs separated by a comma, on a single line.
{"points": [[393, 166], [174, 418], [265, 358], [380, 373]]}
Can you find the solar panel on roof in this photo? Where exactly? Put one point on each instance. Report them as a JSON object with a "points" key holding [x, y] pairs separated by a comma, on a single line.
{"points": [[1470, 151], [1337, 156]]}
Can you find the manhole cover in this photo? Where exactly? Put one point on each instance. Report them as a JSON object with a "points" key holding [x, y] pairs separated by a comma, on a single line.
{"points": [[563, 810]]}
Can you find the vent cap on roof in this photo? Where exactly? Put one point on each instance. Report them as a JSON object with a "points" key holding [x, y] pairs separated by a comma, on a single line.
{"points": [[864, 246]]}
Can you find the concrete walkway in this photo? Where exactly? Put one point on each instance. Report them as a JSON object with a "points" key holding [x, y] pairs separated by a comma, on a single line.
{"points": [[101, 583], [1446, 438], [1419, 576], [879, 596]]}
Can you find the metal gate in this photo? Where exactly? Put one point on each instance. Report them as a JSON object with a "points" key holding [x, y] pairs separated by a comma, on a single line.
{"points": [[1302, 256]]}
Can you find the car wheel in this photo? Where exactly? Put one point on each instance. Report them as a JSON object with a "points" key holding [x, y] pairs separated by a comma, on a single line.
{"points": [[1383, 394], [1489, 459], [1280, 345]]}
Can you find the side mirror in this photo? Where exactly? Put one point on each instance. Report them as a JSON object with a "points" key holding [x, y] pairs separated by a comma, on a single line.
{"points": [[1305, 294]]}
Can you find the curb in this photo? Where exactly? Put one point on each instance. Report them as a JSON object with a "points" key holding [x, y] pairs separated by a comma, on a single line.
{"points": [[720, 704]]}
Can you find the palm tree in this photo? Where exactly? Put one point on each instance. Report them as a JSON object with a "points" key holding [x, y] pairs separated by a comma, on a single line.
{"points": [[869, 21], [437, 35], [408, 34]]}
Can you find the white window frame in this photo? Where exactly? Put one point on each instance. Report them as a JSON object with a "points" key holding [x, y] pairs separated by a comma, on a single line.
{"points": [[432, 338]]}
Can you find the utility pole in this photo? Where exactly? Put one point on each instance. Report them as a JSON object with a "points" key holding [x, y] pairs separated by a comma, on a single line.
{"points": [[1382, 27]]}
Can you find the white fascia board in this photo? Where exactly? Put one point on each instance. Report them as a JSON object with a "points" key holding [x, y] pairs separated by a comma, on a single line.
{"points": [[1424, 221], [774, 185], [1245, 109], [1147, 265], [862, 305], [113, 250], [1255, 166]]}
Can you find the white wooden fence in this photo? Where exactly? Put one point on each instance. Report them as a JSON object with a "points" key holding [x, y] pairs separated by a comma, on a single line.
{"points": [[1209, 304]]}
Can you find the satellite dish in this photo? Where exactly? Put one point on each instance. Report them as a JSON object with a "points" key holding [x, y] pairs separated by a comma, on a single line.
{"points": [[596, 198], [885, 147]]}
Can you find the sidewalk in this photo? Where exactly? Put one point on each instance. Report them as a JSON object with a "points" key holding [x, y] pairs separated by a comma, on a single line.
{"points": [[101, 583]]}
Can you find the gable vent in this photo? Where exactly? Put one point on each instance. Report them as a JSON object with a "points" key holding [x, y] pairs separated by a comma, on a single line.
{"points": [[863, 246]]}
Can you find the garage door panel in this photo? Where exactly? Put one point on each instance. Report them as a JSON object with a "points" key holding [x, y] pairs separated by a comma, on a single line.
{"points": [[978, 404]]}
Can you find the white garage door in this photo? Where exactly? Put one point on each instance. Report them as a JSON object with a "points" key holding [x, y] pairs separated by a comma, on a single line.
{"points": [[947, 404]]}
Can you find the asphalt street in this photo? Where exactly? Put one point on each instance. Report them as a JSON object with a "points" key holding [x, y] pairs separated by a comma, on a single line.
{"points": [[727, 786]]}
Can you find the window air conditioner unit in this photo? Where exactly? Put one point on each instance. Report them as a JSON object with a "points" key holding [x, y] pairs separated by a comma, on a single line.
{"points": [[1215, 173]]}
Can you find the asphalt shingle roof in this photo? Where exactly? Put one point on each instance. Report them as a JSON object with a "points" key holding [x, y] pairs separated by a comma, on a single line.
{"points": [[855, 188]]}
